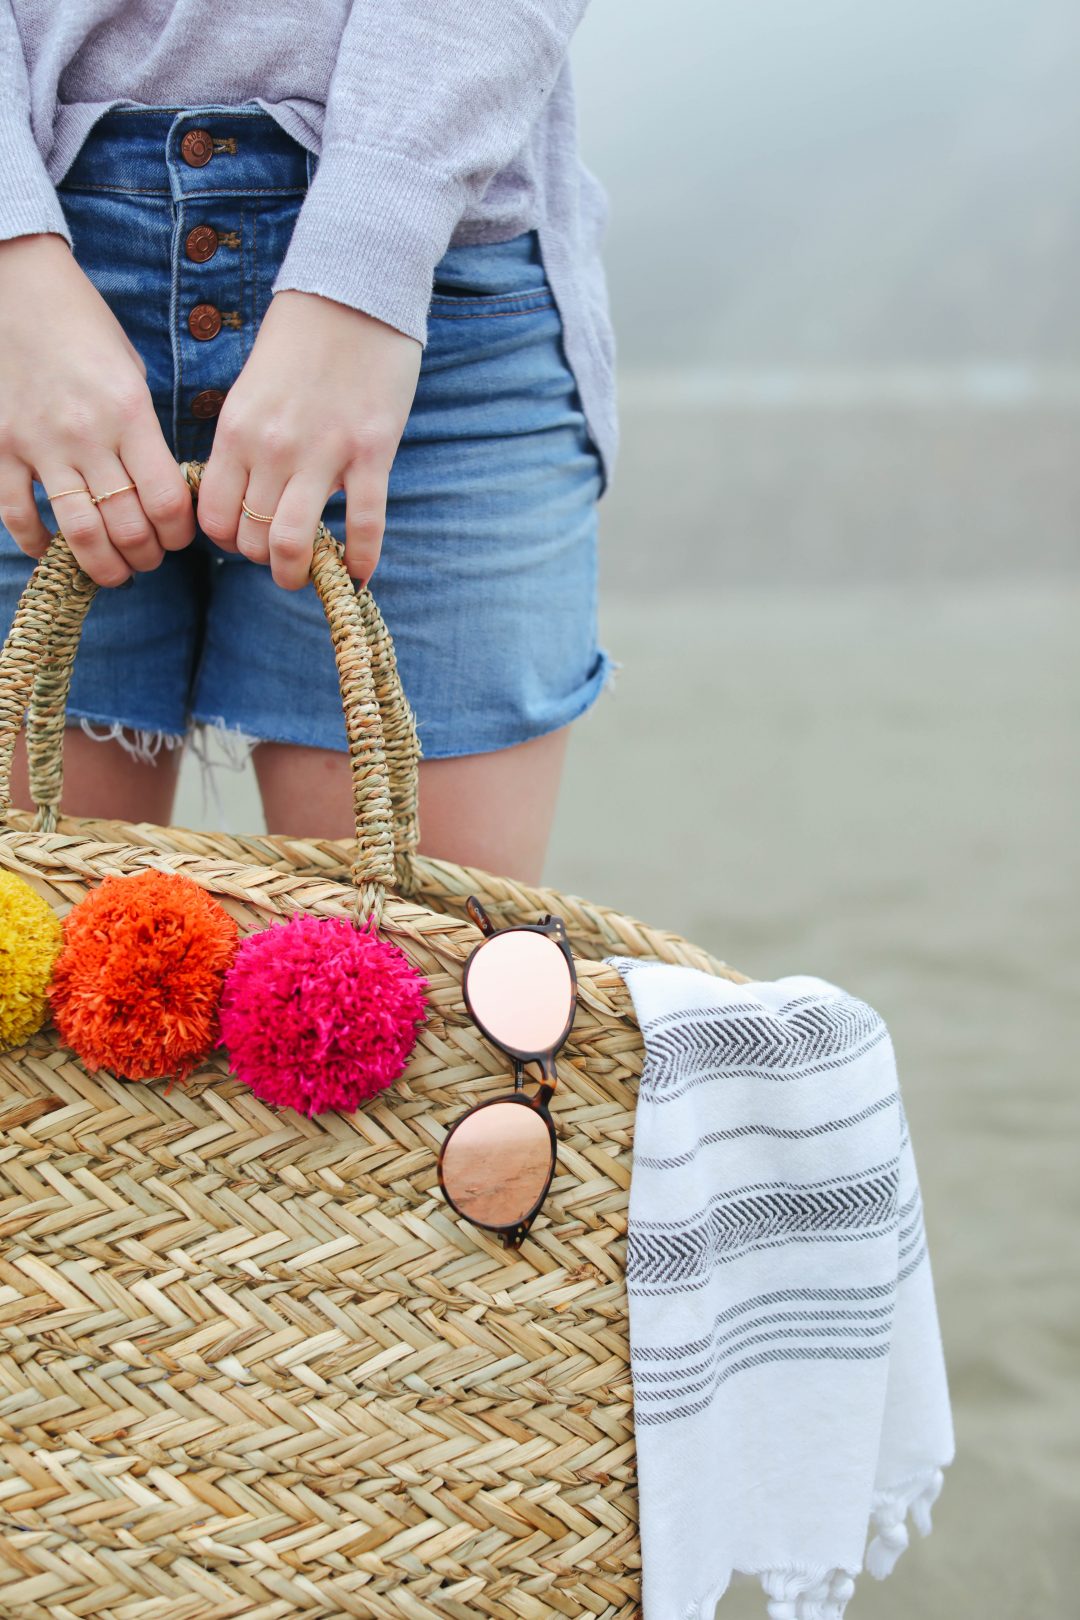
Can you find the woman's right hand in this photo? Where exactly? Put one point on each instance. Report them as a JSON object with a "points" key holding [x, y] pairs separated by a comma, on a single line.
{"points": [[75, 410]]}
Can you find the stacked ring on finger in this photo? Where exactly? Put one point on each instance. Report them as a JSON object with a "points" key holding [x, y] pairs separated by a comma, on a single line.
{"points": [[97, 499], [258, 516], [83, 490]]}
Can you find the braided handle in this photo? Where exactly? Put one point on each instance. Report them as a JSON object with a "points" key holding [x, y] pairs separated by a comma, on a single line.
{"points": [[37, 659]]}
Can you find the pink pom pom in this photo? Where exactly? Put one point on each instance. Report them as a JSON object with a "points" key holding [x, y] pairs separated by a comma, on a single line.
{"points": [[317, 1014]]}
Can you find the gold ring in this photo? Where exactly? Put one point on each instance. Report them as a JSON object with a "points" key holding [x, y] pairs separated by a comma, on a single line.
{"points": [[258, 516], [97, 499], [82, 490]]}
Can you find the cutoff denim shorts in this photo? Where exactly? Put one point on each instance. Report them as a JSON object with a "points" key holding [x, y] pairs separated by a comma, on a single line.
{"points": [[488, 574]]}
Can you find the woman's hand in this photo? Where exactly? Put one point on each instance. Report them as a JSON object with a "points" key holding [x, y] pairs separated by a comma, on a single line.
{"points": [[320, 406], [75, 410]]}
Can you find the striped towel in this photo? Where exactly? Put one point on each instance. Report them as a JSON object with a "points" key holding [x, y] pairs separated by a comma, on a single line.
{"points": [[789, 1384]]}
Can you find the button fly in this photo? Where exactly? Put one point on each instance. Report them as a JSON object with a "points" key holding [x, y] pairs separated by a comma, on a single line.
{"points": [[207, 404], [201, 243], [204, 321], [197, 147]]}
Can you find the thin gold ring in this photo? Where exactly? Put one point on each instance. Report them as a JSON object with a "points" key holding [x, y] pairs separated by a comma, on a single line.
{"points": [[82, 490], [258, 516], [97, 499]]}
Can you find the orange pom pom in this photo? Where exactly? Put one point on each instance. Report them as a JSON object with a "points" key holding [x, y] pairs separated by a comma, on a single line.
{"points": [[137, 983]]}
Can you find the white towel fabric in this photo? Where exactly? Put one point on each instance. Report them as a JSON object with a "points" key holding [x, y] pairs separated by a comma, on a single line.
{"points": [[789, 1383]]}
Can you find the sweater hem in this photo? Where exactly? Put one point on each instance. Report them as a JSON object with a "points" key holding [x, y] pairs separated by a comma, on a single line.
{"points": [[348, 246]]}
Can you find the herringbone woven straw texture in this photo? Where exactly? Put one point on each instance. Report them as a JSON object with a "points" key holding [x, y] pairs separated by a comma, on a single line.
{"points": [[250, 1363]]}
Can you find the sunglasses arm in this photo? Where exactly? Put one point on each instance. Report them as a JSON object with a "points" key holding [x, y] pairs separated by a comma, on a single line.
{"points": [[479, 916]]}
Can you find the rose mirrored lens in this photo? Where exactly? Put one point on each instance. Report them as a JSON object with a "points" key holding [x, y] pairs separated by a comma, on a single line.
{"points": [[521, 990], [495, 1163]]}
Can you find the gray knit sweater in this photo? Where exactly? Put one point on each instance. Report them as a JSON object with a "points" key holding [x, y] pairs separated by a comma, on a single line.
{"points": [[436, 122]]}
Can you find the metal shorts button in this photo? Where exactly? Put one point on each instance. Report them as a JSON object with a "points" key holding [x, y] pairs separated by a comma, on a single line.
{"points": [[207, 404], [204, 321], [201, 243], [197, 147]]}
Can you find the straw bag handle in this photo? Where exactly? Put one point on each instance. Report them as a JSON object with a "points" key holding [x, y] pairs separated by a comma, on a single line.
{"points": [[36, 663], [45, 724]]}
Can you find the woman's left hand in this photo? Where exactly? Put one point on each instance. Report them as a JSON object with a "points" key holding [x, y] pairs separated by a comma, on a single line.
{"points": [[320, 405]]}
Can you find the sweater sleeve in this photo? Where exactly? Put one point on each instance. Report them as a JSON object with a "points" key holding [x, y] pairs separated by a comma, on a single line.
{"points": [[28, 200], [429, 99]]}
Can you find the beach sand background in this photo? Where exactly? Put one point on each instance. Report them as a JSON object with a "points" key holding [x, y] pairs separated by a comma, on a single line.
{"points": [[840, 567]]}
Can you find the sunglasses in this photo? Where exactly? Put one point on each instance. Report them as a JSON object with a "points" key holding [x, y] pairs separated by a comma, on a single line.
{"points": [[497, 1161]]}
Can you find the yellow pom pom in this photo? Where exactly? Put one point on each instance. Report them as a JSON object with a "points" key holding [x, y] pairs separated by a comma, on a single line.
{"points": [[30, 937]]}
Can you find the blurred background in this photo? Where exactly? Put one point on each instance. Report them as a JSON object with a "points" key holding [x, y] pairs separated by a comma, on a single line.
{"points": [[841, 566], [841, 570]]}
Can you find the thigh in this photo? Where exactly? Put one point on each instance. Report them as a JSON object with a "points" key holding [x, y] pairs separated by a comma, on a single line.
{"points": [[492, 810]]}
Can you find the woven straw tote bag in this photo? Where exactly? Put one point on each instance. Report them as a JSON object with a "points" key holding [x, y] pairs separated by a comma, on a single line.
{"points": [[251, 1363]]}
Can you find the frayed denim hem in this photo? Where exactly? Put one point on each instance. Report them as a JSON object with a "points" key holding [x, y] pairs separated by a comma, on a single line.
{"points": [[141, 743]]}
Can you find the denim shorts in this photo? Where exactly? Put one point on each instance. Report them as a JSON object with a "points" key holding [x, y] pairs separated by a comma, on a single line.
{"points": [[488, 573]]}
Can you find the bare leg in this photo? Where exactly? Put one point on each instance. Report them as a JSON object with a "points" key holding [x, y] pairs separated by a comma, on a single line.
{"points": [[492, 810], [102, 779]]}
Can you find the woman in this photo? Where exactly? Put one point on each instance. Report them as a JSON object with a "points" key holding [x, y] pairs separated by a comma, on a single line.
{"points": [[349, 256]]}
